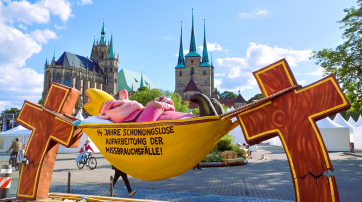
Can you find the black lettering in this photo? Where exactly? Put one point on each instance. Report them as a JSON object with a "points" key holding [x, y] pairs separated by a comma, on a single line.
{"points": [[152, 140], [107, 149], [160, 140], [171, 129], [156, 149]]}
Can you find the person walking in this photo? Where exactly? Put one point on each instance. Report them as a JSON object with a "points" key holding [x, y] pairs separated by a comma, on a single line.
{"points": [[20, 157], [16, 147], [117, 174]]}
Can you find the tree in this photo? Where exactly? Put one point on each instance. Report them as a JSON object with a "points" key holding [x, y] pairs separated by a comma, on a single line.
{"points": [[13, 110], [41, 102], [144, 95], [228, 94], [345, 61], [255, 98]]}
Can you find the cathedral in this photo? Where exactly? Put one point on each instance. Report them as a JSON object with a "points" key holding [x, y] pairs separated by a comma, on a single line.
{"points": [[195, 74], [99, 71]]}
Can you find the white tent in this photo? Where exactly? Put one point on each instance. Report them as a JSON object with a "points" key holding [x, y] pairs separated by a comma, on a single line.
{"points": [[340, 121], [83, 139], [335, 137], [351, 121], [7, 137], [238, 133], [359, 121], [357, 132]]}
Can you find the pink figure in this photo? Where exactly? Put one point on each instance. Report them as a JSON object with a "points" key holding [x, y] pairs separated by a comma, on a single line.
{"points": [[125, 110]]}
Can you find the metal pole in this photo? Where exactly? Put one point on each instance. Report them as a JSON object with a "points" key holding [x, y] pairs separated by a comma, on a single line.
{"points": [[13, 121], [111, 187], [5, 175], [68, 189]]}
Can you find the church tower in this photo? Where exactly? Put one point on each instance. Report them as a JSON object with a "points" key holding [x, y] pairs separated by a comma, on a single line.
{"points": [[105, 56], [194, 74]]}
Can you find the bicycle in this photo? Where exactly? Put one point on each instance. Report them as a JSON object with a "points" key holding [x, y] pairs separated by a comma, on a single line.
{"points": [[13, 162], [90, 160]]}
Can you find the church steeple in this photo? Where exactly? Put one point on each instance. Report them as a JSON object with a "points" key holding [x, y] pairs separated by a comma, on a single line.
{"points": [[54, 55], [103, 36], [141, 85], [205, 56], [211, 60], [192, 50], [181, 59], [111, 49]]}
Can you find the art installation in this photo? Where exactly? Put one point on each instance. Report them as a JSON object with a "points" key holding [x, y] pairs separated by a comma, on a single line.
{"points": [[156, 143]]}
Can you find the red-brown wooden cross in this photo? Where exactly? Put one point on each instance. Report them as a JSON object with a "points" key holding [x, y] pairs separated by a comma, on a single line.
{"points": [[292, 117], [48, 131]]}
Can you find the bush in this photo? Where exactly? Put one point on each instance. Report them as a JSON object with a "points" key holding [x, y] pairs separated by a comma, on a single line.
{"points": [[225, 144], [214, 156]]}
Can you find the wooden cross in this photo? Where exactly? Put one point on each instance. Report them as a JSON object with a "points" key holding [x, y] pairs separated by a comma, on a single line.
{"points": [[292, 117], [48, 131]]}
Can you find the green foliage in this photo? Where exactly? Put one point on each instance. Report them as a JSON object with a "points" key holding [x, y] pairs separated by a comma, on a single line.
{"points": [[213, 156], [255, 98], [225, 144], [180, 106], [143, 88], [228, 94], [224, 107], [196, 111], [345, 60], [41, 101], [13, 110], [144, 95]]}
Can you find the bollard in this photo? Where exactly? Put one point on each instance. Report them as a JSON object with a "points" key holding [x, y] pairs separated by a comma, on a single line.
{"points": [[68, 189], [111, 187], [5, 181]]}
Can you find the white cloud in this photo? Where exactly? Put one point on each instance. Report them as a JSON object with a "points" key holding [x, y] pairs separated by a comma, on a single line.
{"points": [[242, 15], [168, 38], [211, 47], [254, 14], [21, 26], [238, 71], [262, 12], [39, 12], [319, 71], [220, 74], [84, 2], [17, 83], [59, 27], [302, 82], [43, 36]]}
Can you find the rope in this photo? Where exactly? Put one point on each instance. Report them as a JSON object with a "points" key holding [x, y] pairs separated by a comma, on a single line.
{"points": [[239, 110], [64, 117]]}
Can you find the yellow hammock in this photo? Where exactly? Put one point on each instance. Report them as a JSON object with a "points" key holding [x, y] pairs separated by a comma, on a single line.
{"points": [[163, 149], [158, 150]]}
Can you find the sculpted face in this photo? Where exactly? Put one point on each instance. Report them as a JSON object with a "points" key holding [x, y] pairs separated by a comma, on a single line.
{"points": [[119, 110]]}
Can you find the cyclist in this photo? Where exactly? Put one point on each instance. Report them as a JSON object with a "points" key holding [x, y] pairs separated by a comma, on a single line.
{"points": [[84, 149], [16, 146]]}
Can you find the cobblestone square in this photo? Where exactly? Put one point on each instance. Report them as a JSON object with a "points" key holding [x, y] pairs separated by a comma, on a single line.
{"points": [[259, 180]]}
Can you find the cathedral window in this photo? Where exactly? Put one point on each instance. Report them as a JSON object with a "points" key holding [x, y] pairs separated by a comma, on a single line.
{"points": [[180, 73], [205, 82], [192, 70], [192, 61], [67, 79], [58, 78], [204, 73]]}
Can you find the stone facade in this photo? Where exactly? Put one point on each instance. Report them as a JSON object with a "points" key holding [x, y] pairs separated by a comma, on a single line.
{"points": [[99, 71]]}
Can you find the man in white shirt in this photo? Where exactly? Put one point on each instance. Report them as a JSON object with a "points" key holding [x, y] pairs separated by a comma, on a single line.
{"points": [[20, 157]]}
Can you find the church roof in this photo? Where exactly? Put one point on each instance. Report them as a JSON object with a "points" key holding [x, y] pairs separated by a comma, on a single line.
{"points": [[79, 62], [205, 56], [181, 59], [240, 99], [192, 51], [191, 86], [128, 79]]}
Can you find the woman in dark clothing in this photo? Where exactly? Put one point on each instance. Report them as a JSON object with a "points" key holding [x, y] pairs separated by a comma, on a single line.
{"points": [[117, 174]]}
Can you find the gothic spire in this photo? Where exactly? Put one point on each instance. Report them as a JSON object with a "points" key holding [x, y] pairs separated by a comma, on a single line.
{"points": [[181, 59], [111, 48], [103, 36], [205, 56], [211, 60], [54, 55], [192, 50], [141, 85]]}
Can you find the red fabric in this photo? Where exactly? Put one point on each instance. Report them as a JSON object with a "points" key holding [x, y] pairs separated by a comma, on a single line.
{"points": [[86, 148]]}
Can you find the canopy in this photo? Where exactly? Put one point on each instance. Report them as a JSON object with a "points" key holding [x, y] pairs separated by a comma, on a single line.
{"points": [[335, 136], [351, 121], [359, 122], [19, 130], [328, 123]]}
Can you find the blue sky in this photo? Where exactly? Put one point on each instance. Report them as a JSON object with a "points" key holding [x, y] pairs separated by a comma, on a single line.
{"points": [[242, 35]]}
